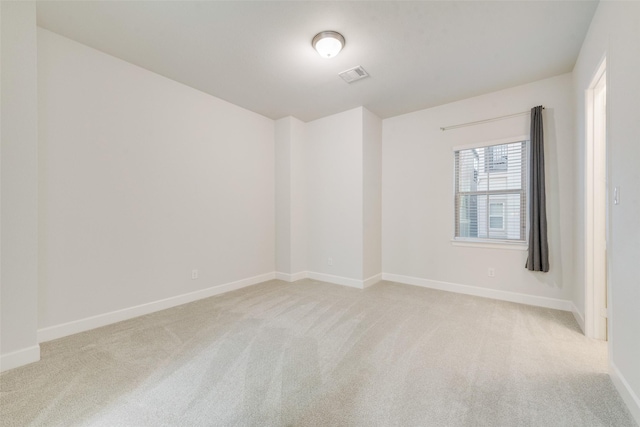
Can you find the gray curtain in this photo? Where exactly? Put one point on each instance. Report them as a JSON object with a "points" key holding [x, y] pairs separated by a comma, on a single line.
{"points": [[538, 259]]}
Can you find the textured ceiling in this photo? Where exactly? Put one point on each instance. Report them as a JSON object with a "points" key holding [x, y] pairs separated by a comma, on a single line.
{"points": [[258, 55]]}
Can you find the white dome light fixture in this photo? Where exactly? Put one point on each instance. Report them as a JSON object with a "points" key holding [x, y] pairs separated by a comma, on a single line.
{"points": [[328, 43]]}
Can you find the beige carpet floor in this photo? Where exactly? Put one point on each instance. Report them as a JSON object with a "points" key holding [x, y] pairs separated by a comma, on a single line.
{"points": [[316, 354]]}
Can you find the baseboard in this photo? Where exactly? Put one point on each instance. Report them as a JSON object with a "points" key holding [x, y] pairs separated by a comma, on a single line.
{"points": [[372, 280], [628, 395], [81, 325], [292, 277], [19, 358], [557, 304], [338, 280], [578, 316]]}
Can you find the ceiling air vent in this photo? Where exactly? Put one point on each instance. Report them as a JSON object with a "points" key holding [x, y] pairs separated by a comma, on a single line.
{"points": [[353, 74]]}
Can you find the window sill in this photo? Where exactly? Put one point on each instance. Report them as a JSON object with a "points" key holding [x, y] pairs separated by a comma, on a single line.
{"points": [[488, 244]]}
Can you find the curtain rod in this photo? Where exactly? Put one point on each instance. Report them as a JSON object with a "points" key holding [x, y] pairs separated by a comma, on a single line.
{"points": [[485, 121]]}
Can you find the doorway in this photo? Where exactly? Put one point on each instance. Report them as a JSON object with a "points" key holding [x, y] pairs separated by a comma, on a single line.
{"points": [[596, 318]]}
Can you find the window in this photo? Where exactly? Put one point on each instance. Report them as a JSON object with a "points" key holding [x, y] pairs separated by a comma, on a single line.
{"points": [[491, 192]]}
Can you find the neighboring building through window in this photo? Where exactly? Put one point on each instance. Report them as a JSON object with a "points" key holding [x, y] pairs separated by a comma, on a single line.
{"points": [[496, 158], [496, 216], [491, 192]]}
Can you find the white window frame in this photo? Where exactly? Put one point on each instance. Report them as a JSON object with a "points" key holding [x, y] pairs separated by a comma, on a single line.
{"points": [[494, 243]]}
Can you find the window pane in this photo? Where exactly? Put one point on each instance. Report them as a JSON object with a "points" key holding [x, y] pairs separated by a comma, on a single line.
{"points": [[496, 209], [496, 157], [496, 222], [491, 192], [467, 170], [468, 217]]}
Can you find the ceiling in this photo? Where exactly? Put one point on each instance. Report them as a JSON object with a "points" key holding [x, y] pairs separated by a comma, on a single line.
{"points": [[258, 55]]}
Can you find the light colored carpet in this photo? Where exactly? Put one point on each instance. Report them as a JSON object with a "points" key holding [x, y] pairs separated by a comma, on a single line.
{"points": [[316, 354]]}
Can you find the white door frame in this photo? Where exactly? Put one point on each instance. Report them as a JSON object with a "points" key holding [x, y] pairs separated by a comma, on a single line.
{"points": [[596, 215]]}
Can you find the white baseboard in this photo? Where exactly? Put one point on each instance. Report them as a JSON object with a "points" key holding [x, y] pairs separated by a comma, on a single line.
{"points": [[19, 358], [292, 277], [578, 316], [626, 392], [372, 280], [338, 280], [81, 325], [557, 304]]}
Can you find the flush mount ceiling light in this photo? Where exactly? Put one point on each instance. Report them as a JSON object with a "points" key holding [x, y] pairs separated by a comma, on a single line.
{"points": [[328, 43]]}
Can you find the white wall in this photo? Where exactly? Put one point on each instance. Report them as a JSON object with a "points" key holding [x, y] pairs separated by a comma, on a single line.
{"points": [[142, 180], [417, 193], [372, 194], [334, 194], [283, 194], [615, 32], [290, 180], [328, 198], [299, 243], [19, 187]]}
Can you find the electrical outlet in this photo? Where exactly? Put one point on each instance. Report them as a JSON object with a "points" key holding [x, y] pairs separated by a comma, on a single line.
{"points": [[330, 261], [194, 274], [491, 272]]}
